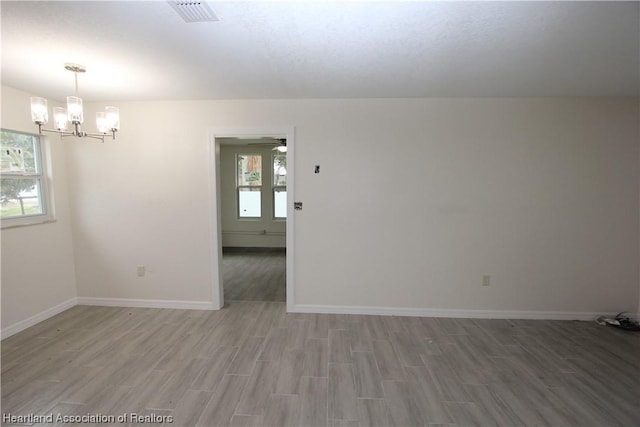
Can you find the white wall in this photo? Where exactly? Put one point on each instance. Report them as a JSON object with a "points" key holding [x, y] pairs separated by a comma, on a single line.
{"points": [[542, 194], [37, 261], [244, 232], [143, 200]]}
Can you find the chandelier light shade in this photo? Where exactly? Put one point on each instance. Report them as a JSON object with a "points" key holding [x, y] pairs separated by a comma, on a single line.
{"points": [[113, 117], [107, 121], [74, 110], [60, 118], [39, 112], [101, 122]]}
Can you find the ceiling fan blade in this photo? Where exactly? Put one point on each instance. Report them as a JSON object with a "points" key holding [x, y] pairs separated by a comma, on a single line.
{"points": [[277, 142]]}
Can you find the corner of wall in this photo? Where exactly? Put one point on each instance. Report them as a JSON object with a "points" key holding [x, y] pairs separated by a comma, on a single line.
{"points": [[30, 295], [33, 320]]}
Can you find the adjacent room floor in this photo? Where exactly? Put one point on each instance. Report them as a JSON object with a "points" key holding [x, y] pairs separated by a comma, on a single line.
{"points": [[252, 364], [254, 274]]}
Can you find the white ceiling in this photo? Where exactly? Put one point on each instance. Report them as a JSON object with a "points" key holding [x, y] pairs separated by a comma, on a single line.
{"points": [[145, 51]]}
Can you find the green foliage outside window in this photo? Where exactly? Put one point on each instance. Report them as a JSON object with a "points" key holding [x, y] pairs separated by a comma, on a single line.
{"points": [[21, 175]]}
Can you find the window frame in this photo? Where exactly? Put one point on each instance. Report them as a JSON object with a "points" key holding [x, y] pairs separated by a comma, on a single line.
{"points": [[249, 187], [42, 178]]}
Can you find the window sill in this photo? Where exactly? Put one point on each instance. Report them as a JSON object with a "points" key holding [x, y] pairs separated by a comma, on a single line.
{"points": [[19, 224]]}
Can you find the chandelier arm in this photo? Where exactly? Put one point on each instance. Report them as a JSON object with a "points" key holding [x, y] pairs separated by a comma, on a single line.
{"points": [[62, 133], [100, 135], [77, 133], [95, 136]]}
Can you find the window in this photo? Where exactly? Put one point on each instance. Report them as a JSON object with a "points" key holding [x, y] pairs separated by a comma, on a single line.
{"points": [[23, 197], [280, 185], [249, 185]]}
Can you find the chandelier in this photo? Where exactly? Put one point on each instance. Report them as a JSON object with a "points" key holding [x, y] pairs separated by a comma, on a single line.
{"points": [[107, 121]]}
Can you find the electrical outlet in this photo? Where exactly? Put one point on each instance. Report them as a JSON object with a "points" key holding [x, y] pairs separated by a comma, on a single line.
{"points": [[486, 280], [140, 270]]}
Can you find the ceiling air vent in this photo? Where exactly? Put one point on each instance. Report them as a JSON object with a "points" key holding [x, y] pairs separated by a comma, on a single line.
{"points": [[193, 11]]}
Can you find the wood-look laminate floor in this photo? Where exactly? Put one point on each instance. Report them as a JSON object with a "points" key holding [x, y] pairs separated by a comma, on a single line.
{"points": [[251, 364], [254, 274]]}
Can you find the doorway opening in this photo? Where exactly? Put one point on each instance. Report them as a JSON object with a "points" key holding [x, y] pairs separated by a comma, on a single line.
{"points": [[253, 173]]}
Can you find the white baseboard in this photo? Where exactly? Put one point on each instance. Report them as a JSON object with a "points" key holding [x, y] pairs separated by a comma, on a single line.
{"points": [[108, 302], [33, 320], [457, 313], [146, 303], [306, 308]]}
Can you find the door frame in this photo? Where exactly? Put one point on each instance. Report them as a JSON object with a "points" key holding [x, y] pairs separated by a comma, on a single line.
{"points": [[288, 132]]}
